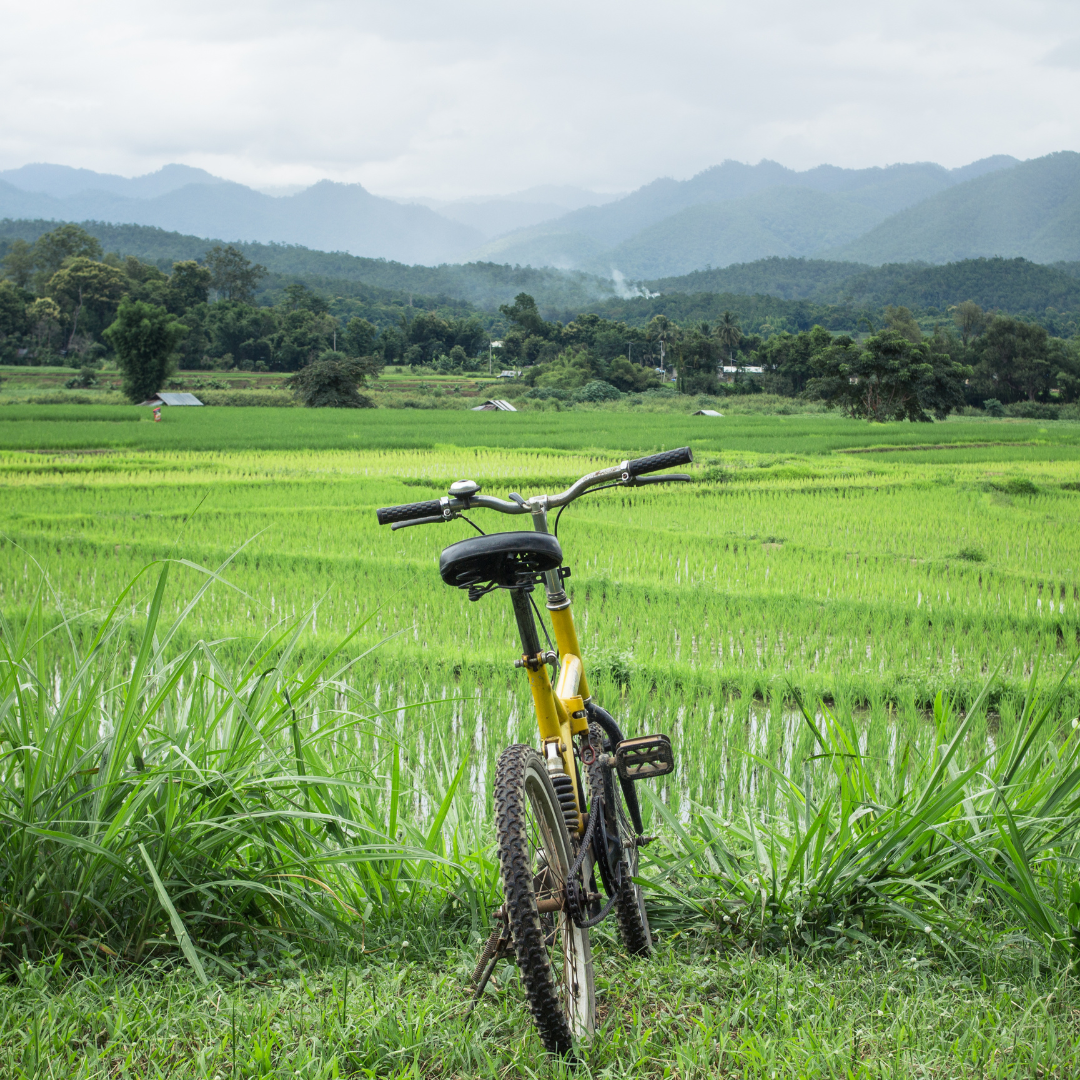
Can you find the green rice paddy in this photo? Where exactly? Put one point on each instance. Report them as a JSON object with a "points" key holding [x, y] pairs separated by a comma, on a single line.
{"points": [[859, 570]]}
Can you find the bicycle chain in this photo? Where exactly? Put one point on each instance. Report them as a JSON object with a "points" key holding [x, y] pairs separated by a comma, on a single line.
{"points": [[573, 890]]}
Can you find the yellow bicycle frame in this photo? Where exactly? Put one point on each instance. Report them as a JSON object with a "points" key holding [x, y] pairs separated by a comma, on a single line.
{"points": [[560, 709]]}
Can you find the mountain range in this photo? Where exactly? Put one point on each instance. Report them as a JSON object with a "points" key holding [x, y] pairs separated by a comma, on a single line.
{"points": [[730, 214]]}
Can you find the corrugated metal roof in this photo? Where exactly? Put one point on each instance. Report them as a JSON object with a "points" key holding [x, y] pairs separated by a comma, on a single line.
{"points": [[493, 405], [707, 412], [172, 399]]}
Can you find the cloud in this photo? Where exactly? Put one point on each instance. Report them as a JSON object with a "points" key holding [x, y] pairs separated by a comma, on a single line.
{"points": [[1066, 55], [456, 99]]}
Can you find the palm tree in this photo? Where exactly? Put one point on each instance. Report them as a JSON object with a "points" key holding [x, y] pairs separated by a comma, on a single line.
{"points": [[728, 333]]}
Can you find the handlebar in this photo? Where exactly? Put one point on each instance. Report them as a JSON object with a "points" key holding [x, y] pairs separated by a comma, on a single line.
{"points": [[625, 474], [409, 511], [655, 462]]}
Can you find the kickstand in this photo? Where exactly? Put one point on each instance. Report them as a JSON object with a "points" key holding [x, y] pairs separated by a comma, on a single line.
{"points": [[498, 946]]}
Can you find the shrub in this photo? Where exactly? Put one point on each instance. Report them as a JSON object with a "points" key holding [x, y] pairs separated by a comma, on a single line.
{"points": [[597, 391], [332, 382], [280, 399], [1032, 410]]}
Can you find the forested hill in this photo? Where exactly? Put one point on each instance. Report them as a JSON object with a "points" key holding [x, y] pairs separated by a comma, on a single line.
{"points": [[1032, 209], [1016, 286], [487, 285], [790, 293]]}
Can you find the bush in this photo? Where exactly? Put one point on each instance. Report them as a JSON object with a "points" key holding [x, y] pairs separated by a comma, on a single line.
{"points": [[1033, 410], [280, 399], [993, 407], [332, 382], [547, 393], [597, 391]]}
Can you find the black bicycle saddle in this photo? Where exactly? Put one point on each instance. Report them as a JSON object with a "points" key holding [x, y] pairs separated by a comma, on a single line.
{"points": [[509, 559]]}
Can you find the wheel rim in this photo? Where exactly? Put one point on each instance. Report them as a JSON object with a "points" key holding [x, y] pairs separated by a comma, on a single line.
{"points": [[567, 945]]}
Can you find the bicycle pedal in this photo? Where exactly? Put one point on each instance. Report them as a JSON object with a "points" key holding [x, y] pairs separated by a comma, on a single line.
{"points": [[644, 758]]}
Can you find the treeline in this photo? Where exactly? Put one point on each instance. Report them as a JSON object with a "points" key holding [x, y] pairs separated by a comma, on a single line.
{"points": [[895, 372], [62, 300]]}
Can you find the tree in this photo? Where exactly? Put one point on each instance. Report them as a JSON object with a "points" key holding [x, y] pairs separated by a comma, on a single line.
{"points": [[233, 276], [1016, 360], [360, 337], [524, 314], [189, 286], [728, 333], [19, 263], [333, 381], [903, 322], [789, 358], [54, 248], [970, 320], [13, 320], [144, 337], [888, 378], [698, 363], [298, 296], [85, 285], [44, 318]]}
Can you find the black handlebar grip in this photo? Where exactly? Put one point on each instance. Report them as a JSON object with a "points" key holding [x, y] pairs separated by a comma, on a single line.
{"points": [[409, 511], [655, 462]]}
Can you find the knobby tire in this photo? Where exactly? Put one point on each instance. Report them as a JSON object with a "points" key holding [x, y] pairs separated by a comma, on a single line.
{"points": [[552, 954]]}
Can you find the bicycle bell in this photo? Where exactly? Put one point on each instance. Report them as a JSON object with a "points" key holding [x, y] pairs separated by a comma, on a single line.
{"points": [[464, 490]]}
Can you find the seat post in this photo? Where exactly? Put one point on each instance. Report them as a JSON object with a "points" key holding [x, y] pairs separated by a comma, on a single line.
{"points": [[526, 622]]}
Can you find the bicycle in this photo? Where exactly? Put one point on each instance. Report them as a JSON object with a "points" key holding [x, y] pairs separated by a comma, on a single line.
{"points": [[554, 832]]}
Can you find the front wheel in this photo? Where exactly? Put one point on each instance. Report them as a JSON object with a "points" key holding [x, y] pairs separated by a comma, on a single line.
{"points": [[552, 953]]}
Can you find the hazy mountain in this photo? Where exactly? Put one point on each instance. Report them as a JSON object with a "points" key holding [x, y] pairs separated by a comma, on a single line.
{"points": [[880, 191], [781, 221], [61, 181], [327, 215], [1031, 210], [494, 215]]}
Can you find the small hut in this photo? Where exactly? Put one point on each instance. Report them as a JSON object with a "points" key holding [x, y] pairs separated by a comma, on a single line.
{"points": [[494, 405], [162, 398], [708, 412]]}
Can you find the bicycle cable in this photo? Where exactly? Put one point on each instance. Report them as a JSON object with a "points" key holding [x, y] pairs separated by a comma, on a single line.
{"points": [[602, 487], [543, 625], [473, 524]]}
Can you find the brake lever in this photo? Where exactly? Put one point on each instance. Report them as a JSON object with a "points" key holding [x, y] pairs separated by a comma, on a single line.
{"points": [[418, 521], [639, 481]]}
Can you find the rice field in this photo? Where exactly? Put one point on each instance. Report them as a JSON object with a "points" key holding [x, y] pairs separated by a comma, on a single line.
{"points": [[866, 578], [830, 617]]}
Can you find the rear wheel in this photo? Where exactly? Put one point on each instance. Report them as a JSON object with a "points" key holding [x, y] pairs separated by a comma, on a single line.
{"points": [[552, 953], [621, 865]]}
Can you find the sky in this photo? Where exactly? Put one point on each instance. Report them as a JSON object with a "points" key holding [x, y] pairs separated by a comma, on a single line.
{"points": [[448, 99]]}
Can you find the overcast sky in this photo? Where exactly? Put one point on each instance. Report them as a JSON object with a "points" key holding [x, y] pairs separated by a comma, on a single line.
{"points": [[441, 98]]}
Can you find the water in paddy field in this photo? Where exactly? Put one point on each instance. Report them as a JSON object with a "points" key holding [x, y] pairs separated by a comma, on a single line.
{"points": [[731, 752]]}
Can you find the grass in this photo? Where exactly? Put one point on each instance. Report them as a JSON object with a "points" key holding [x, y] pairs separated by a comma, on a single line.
{"points": [[691, 1012], [297, 769], [157, 797]]}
